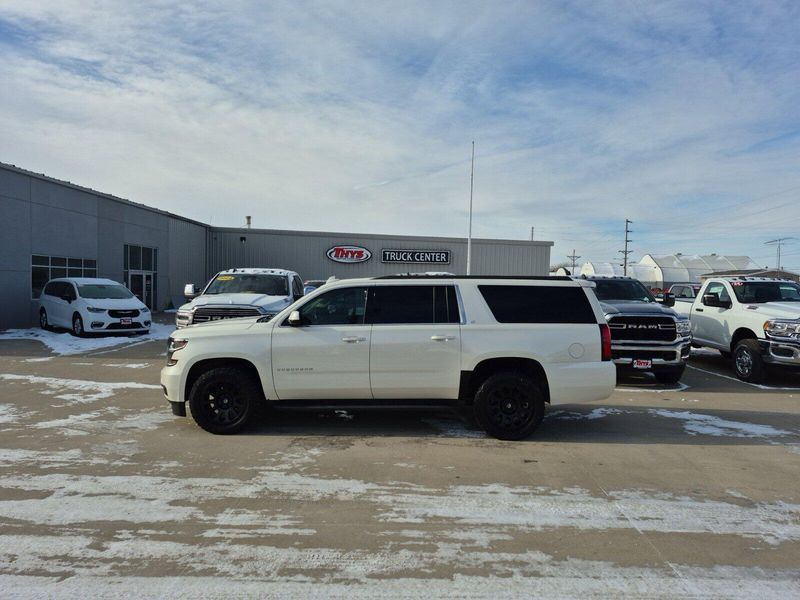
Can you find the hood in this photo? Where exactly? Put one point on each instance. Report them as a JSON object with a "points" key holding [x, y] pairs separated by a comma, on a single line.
{"points": [[115, 303], [775, 310], [637, 308], [262, 301]]}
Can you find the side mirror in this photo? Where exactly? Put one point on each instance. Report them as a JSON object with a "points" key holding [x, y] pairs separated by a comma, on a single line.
{"points": [[713, 300], [294, 319], [668, 299], [190, 291]]}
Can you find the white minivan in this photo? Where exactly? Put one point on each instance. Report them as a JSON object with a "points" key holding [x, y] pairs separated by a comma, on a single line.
{"points": [[89, 305]]}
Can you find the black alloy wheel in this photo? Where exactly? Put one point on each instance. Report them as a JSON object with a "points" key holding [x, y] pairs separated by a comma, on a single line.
{"points": [[509, 406], [222, 399]]}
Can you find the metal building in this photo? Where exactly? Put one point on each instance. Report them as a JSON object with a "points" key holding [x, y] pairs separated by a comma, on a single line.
{"points": [[54, 228]]}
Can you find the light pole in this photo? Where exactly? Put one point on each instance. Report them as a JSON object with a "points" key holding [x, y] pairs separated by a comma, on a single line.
{"points": [[469, 236]]}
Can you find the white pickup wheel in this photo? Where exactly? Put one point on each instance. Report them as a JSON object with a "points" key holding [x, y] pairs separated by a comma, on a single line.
{"points": [[748, 362]]}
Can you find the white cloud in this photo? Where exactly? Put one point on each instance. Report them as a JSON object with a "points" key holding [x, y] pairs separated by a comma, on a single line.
{"points": [[360, 115]]}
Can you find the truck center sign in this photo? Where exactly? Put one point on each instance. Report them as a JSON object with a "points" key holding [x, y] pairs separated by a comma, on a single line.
{"points": [[431, 257]]}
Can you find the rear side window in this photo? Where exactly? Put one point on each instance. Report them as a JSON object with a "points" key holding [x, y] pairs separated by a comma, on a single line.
{"points": [[537, 304], [408, 304]]}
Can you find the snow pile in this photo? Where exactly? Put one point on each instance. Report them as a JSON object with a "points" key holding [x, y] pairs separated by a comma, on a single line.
{"points": [[84, 391], [695, 423], [65, 343]]}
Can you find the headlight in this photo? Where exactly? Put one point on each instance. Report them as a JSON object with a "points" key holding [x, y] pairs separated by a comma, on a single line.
{"points": [[92, 309], [683, 327], [173, 345], [782, 328], [145, 310]]}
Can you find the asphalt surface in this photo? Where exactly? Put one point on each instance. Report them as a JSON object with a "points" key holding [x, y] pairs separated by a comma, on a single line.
{"points": [[690, 491]]}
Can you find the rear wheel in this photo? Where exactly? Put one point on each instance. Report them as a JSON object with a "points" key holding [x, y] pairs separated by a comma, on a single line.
{"points": [[669, 375], [43, 322], [509, 406], [77, 326], [222, 400], [748, 363]]}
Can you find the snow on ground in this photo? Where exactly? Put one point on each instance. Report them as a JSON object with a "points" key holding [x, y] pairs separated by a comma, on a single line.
{"points": [[81, 391], [64, 343], [679, 388], [126, 365], [696, 423], [597, 413]]}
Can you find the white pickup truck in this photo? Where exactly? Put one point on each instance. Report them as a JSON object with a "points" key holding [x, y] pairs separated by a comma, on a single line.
{"points": [[237, 293], [506, 346], [755, 320]]}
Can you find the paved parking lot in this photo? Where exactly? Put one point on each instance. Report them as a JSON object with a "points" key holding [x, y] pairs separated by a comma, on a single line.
{"points": [[655, 493]]}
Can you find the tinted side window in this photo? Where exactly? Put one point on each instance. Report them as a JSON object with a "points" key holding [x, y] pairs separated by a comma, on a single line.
{"points": [[537, 304], [345, 306], [409, 304], [50, 289], [297, 287], [718, 288]]}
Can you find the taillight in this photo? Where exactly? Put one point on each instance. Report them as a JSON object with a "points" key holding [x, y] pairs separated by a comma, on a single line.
{"points": [[605, 342]]}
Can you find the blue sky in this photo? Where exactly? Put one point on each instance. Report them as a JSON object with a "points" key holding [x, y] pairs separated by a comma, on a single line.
{"points": [[358, 116]]}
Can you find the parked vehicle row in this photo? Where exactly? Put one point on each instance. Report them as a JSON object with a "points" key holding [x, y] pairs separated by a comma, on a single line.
{"points": [[505, 346], [754, 320], [91, 305]]}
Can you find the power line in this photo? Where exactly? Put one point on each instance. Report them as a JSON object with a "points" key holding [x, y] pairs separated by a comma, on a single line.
{"points": [[573, 257], [778, 242]]}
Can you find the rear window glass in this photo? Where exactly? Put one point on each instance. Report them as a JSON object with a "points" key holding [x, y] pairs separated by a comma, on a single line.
{"points": [[537, 304]]}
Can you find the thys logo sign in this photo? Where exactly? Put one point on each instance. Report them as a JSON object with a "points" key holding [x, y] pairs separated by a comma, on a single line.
{"points": [[349, 254]]}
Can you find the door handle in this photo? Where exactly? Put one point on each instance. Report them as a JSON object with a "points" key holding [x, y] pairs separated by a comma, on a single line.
{"points": [[698, 310], [443, 338], [353, 339]]}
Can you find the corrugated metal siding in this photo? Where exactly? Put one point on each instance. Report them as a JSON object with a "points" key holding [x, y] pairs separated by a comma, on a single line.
{"points": [[306, 254], [185, 259]]}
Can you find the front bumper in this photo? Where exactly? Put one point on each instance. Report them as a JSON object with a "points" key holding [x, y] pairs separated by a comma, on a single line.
{"points": [[104, 323], [780, 352], [661, 355], [171, 386]]}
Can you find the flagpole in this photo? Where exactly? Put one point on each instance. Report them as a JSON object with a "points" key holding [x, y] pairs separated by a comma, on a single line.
{"points": [[469, 237]]}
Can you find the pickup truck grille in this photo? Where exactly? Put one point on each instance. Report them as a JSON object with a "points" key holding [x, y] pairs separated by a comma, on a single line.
{"points": [[640, 329], [201, 315]]}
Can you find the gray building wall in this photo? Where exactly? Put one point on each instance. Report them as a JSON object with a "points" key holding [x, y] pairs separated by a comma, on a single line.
{"points": [[45, 216], [306, 253]]}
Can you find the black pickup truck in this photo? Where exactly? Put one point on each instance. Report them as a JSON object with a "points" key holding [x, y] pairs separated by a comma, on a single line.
{"points": [[646, 334]]}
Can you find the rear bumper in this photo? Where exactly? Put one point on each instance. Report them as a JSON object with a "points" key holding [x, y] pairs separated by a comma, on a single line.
{"points": [[581, 382]]}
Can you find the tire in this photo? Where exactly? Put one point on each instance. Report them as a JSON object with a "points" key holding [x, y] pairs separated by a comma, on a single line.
{"points": [[44, 323], [77, 326], [509, 405], [747, 362], [669, 375], [223, 399]]}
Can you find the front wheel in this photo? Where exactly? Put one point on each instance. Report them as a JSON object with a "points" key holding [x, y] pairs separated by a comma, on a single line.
{"points": [[223, 399], [43, 322], [509, 406], [669, 375], [748, 363], [77, 326]]}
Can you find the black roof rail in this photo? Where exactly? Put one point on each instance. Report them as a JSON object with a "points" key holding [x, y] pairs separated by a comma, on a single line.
{"points": [[500, 277]]}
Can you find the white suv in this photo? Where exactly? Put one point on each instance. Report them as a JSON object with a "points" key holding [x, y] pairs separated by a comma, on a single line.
{"points": [[505, 345], [89, 305]]}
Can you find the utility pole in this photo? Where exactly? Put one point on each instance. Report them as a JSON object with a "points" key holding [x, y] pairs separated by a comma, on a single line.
{"points": [[626, 252], [469, 237], [778, 242], [573, 257], [531, 233]]}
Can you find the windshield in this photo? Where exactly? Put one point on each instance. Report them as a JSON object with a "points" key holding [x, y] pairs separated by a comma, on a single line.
{"points": [[759, 292], [249, 283], [97, 291], [629, 290]]}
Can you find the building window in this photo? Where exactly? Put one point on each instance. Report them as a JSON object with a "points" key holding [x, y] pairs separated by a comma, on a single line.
{"points": [[45, 268]]}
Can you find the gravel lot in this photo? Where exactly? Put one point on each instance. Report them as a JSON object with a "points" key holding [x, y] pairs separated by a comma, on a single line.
{"points": [[655, 493]]}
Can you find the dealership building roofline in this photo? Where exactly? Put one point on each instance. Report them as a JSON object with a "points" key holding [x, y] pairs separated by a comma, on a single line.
{"points": [[55, 228]]}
